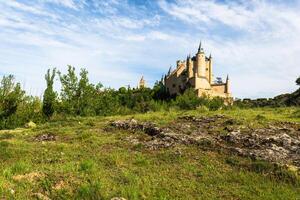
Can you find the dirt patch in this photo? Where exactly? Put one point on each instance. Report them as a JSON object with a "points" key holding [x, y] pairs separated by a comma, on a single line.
{"points": [[45, 137], [60, 185], [30, 177], [278, 142]]}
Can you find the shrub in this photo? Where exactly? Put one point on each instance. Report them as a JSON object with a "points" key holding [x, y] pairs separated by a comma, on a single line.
{"points": [[189, 100], [49, 94], [215, 104]]}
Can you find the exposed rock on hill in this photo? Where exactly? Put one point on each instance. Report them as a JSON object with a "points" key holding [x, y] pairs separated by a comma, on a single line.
{"points": [[279, 143]]}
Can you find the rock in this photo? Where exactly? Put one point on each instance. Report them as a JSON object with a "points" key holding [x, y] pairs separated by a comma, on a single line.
{"points": [[30, 125], [12, 191], [149, 128], [118, 198], [45, 137], [279, 143], [41, 196], [229, 122]]}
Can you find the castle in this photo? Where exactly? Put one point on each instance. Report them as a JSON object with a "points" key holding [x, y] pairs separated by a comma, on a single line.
{"points": [[196, 72]]}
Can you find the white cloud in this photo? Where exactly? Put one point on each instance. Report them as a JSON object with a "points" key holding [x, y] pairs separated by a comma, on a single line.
{"points": [[261, 46], [33, 9], [255, 42], [66, 3]]}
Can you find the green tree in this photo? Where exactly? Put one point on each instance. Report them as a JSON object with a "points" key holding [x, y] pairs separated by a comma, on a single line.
{"points": [[11, 95], [69, 84], [49, 97], [86, 94], [298, 81], [78, 95], [160, 92]]}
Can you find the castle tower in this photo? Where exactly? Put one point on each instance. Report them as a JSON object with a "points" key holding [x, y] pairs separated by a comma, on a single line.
{"points": [[189, 67], [227, 85], [142, 83], [210, 69], [200, 62]]}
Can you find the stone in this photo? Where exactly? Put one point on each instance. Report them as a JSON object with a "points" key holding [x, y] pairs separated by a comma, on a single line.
{"points": [[41, 196], [45, 137], [30, 125], [118, 198], [270, 143]]}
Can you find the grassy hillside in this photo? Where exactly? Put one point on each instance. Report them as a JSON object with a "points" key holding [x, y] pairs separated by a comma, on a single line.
{"points": [[85, 158]]}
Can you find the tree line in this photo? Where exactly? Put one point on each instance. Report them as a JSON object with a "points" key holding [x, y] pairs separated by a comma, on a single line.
{"points": [[79, 97]]}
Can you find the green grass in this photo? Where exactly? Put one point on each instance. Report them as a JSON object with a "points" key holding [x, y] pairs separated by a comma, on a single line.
{"points": [[87, 162]]}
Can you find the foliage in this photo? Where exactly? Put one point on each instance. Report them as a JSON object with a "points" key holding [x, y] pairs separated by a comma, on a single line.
{"points": [[292, 99], [11, 95], [49, 97], [215, 103], [79, 97], [189, 100], [298, 81], [77, 94]]}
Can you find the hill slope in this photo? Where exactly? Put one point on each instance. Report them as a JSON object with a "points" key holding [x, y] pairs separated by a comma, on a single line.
{"points": [[88, 158]]}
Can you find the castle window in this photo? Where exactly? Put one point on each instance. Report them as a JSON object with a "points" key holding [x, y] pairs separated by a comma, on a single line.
{"points": [[174, 85]]}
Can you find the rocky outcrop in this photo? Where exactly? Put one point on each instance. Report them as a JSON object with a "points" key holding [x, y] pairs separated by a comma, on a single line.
{"points": [[279, 142]]}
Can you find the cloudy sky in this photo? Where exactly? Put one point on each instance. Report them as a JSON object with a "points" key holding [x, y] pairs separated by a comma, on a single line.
{"points": [[256, 42]]}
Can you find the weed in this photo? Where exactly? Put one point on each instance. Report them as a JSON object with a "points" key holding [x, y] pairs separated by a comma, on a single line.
{"points": [[86, 166], [89, 191], [232, 161], [296, 114], [90, 123], [260, 118], [141, 160], [6, 136], [17, 168]]}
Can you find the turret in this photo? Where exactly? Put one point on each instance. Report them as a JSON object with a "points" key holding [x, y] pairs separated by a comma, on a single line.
{"points": [[210, 69], [227, 85], [142, 83], [200, 61], [170, 70], [190, 66]]}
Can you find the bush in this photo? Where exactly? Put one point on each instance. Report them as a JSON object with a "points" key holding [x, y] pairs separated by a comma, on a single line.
{"points": [[189, 100], [49, 94], [215, 104]]}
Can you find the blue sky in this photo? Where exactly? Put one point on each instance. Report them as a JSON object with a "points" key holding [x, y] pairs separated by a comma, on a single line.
{"points": [[255, 42]]}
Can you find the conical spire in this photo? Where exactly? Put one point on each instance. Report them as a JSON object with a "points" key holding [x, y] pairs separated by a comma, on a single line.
{"points": [[199, 49], [227, 78], [170, 69]]}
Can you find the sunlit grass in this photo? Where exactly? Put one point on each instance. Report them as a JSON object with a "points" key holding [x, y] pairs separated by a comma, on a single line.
{"points": [[87, 162]]}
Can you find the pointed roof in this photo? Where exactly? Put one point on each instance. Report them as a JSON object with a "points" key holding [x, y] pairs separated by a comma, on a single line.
{"points": [[200, 49]]}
